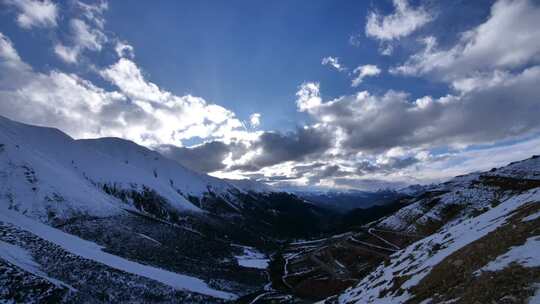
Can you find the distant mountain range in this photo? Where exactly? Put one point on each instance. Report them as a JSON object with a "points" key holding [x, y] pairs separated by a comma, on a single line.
{"points": [[344, 201]]}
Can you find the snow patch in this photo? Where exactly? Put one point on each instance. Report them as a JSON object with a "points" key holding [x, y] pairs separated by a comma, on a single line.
{"points": [[531, 217], [252, 258], [525, 255], [92, 251], [21, 258], [144, 236], [536, 297]]}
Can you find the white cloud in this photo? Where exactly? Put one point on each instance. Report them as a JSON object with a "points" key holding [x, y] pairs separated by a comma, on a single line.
{"points": [[35, 13], [255, 120], [93, 12], [86, 37], [139, 111], [404, 21], [364, 71], [123, 49], [508, 39], [308, 96], [386, 49], [463, 162], [355, 40], [8, 54], [86, 32], [181, 117], [13, 71], [481, 80], [65, 53], [333, 62], [56, 99], [128, 77], [83, 37], [505, 109]]}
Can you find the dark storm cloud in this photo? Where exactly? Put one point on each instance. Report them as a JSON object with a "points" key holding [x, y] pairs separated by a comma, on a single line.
{"points": [[207, 157], [275, 148], [293, 146], [393, 164], [327, 172]]}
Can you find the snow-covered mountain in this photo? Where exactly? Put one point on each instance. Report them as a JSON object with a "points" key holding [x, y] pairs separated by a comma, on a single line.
{"points": [[52, 177], [491, 258], [463, 196], [43, 165], [108, 212]]}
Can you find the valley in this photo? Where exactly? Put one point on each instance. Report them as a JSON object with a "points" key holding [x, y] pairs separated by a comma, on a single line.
{"points": [[270, 152], [109, 221]]}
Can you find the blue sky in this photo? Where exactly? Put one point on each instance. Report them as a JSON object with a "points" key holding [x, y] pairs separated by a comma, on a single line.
{"points": [[192, 73], [248, 56]]}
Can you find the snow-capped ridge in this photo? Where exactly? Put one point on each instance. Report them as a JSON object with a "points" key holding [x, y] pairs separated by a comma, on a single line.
{"points": [[40, 167]]}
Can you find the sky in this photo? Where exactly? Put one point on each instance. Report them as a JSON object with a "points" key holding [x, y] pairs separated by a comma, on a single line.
{"points": [[298, 94]]}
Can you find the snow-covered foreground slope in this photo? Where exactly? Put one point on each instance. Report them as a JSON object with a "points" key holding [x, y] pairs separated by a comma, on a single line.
{"points": [[395, 281], [92, 251], [22, 258]]}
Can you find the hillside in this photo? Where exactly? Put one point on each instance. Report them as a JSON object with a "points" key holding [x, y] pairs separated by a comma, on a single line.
{"points": [[473, 239], [481, 243]]}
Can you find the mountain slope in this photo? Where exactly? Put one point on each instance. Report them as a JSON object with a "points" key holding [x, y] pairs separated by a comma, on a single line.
{"points": [[480, 243], [93, 252], [42, 167], [38, 178], [454, 264], [137, 208], [473, 239]]}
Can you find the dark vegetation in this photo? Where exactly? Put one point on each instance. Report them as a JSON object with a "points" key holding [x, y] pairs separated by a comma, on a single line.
{"points": [[92, 282], [509, 183], [359, 217], [325, 267], [344, 202]]}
